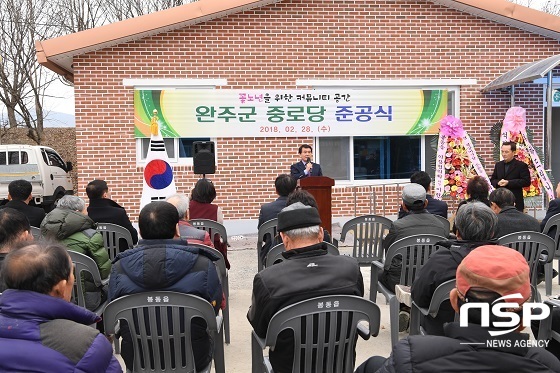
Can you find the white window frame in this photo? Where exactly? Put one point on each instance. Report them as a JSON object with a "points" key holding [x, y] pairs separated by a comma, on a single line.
{"points": [[171, 84], [448, 84]]}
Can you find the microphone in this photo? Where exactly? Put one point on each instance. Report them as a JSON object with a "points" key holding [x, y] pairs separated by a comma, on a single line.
{"points": [[308, 160]]}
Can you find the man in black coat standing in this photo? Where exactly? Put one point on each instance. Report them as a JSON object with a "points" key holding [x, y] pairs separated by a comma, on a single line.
{"points": [[101, 209], [19, 194], [511, 174]]}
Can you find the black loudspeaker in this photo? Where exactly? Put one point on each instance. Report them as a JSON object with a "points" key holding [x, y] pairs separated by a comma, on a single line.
{"points": [[204, 160]]}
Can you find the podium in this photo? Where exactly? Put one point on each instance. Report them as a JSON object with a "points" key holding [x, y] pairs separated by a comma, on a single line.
{"points": [[321, 188]]}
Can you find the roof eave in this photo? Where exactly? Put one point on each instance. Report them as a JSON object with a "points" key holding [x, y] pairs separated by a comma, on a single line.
{"points": [[515, 15], [57, 54]]}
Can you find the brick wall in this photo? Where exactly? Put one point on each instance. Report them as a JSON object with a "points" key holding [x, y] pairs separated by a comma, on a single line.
{"points": [[272, 47]]}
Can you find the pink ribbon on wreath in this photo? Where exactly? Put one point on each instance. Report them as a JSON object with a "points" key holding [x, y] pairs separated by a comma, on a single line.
{"points": [[451, 126], [514, 120]]}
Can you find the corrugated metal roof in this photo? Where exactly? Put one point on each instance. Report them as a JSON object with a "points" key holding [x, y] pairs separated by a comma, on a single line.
{"points": [[525, 73]]}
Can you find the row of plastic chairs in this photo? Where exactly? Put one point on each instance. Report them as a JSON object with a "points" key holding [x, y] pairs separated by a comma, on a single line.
{"points": [[163, 341], [167, 346]]}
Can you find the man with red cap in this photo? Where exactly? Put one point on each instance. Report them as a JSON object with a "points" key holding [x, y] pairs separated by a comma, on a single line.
{"points": [[485, 275]]}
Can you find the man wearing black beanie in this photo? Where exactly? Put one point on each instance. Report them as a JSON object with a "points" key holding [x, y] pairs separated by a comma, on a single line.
{"points": [[308, 271]]}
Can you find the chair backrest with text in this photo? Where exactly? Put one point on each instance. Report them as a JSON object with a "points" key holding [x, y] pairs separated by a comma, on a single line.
{"points": [[368, 233], [414, 252], [325, 333], [531, 245], [160, 326], [212, 227]]}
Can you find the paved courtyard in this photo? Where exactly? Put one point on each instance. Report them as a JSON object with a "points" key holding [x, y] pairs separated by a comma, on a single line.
{"points": [[243, 258]]}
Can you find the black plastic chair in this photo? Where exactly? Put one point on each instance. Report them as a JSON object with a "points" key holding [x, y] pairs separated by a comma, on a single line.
{"points": [[84, 264], [212, 227], [415, 252], [267, 232], [532, 246], [224, 279], [417, 313], [162, 319], [275, 254], [335, 316], [368, 232], [112, 236], [553, 222]]}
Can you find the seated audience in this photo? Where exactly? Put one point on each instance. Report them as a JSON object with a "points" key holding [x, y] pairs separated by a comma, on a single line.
{"points": [[186, 230], [201, 207], [41, 331], [484, 275], [19, 195], [14, 229], [298, 195], [477, 191], [284, 185], [510, 220], [163, 262], [417, 221], [102, 209], [69, 224], [435, 206], [476, 224], [553, 209], [294, 279]]}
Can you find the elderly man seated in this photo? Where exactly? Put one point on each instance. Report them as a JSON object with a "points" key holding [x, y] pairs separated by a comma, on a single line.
{"points": [[307, 272], [41, 331]]}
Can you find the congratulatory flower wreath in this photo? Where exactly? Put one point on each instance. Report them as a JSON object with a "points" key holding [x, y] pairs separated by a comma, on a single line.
{"points": [[456, 160]]}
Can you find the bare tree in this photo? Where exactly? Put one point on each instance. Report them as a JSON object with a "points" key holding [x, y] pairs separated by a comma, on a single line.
{"points": [[119, 10], [548, 6], [23, 81]]}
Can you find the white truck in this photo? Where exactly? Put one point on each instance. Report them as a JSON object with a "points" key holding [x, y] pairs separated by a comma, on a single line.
{"points": [[41, 166]]}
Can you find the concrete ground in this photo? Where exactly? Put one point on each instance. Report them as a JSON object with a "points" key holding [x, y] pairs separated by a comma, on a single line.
{"points": [[243, 258]]}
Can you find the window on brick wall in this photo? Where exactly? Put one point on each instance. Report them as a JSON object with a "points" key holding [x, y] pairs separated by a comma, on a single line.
{"points": [[363, 159], [179, 150]]}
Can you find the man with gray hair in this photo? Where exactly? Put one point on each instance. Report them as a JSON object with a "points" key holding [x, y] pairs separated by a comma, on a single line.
{"points": [[308, 271], [186, 230], [70, 224], [476, 224]]}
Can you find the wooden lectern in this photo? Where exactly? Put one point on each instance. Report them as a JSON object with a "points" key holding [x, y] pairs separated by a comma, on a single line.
{"points": [[321, 188]]}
